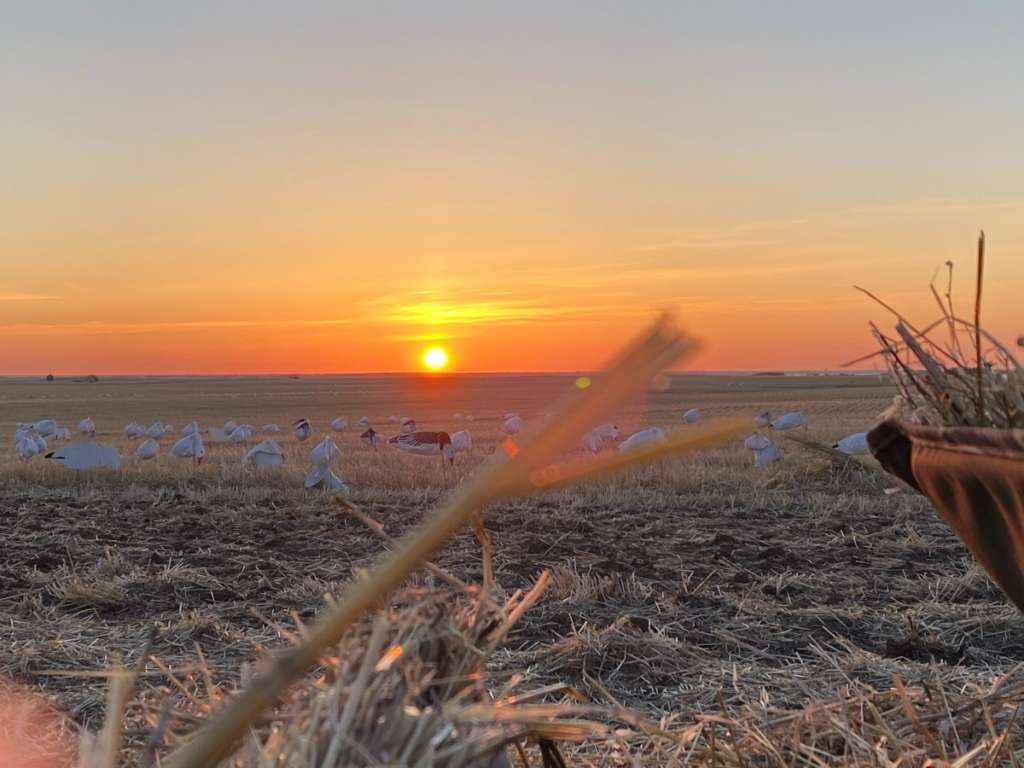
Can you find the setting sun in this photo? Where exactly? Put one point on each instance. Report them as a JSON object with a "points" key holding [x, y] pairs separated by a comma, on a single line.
{"points": [[435, 358]]}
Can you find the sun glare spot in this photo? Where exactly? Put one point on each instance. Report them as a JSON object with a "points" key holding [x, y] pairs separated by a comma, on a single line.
{"points": [[435, 358]]}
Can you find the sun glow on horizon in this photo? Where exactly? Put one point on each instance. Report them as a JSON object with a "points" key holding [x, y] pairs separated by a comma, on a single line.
{"points": [[288, 200], [435, 358]]}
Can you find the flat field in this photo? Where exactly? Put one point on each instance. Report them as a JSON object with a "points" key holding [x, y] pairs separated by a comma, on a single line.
{"points": [[686, 587]]}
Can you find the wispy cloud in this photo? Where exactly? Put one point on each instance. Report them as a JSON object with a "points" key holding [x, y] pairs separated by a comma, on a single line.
{"points": [[610, 291], [461, 303], [928, 206], [787, 229], [705, 244], [427, 336], [921, 207], [27, 297], [464, 307], [99, 328], [636, 279], [457, 313], [744, 304]]}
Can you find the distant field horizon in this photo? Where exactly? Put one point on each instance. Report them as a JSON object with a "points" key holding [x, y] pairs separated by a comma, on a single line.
{"points": [[444, 374]]}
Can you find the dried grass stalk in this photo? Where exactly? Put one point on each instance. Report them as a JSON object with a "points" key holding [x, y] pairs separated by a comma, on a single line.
{"points": [[902, 725], [410, 686], [977, 325], [941, 386]]}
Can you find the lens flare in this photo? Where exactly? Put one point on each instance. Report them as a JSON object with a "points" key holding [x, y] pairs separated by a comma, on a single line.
{"points": [[435, 358]]}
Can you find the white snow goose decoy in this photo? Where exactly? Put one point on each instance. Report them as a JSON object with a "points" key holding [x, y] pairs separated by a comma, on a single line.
{"points": [[46, 427], [87, 427], [340, 424], [462, 441], [264, 454], [789, 421], [853, 445], [271, 429], [763, 419], [190, 447], [649, 436], [407, 425], [326, 479], [692, 416], [596, 438], [324, 456], [86, 456], [148, 449], [302, 430], [764, 450], [512, 424], [217, 435], [157, 430], [27, 444], [326, 453], [371, 437]]}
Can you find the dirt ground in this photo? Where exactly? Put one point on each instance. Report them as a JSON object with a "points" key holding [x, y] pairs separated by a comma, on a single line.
{"points": [[683, 587]]}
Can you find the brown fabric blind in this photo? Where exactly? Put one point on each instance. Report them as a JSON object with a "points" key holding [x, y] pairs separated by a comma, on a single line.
{"points": [[974, 478]]}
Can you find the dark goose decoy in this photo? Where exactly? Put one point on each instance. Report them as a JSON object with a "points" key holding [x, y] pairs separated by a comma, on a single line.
{"points": [[426, 444]]}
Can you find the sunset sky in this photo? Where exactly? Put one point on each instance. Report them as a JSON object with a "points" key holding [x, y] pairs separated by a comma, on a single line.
{"points": [[325, 187]]}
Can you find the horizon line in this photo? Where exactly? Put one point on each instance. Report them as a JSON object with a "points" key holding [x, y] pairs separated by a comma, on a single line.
{"points": [[431, 374]]}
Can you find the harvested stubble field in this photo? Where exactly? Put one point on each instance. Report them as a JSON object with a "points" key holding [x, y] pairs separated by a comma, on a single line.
{"points": [[694, 586]]}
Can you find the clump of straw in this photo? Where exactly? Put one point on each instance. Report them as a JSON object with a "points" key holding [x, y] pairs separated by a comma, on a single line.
{"points": [[951, 372], [923, 724], [408, 686]]}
